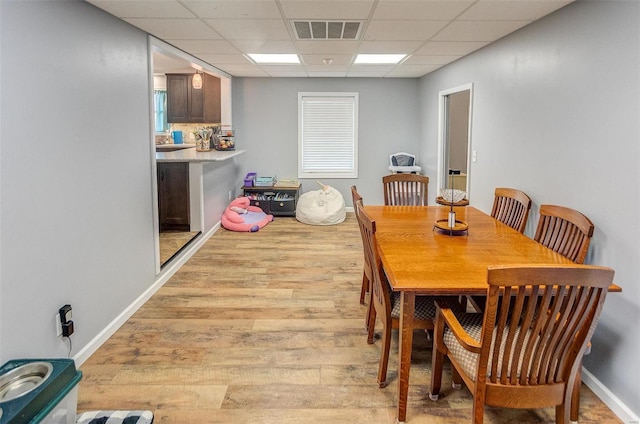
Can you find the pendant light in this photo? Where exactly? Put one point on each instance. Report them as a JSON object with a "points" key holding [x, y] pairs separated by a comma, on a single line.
{"points": [[196, 82]]}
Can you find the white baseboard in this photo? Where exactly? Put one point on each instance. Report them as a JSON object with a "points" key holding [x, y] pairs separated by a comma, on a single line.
{"points": [[612, 401], [164, 275]]}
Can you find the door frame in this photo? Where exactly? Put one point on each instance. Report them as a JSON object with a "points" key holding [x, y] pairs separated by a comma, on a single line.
{"points": [[443, 118]]}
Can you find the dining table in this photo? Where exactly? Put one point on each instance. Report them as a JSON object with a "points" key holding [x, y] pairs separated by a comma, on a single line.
{"points": [[421, 259]]}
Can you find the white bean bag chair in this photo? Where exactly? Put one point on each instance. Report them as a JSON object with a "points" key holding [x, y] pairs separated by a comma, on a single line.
{"points": [[321, 207]]}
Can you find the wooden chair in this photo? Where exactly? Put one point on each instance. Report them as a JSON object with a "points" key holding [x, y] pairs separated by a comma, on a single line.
{"points": [[366, 273], [565, 231], [569, 233], [405, 189], [526, 350], [511, 207], [385, 304]]}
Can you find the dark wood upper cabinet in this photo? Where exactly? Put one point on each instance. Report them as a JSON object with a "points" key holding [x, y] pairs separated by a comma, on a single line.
{"points": [[188, 105]]}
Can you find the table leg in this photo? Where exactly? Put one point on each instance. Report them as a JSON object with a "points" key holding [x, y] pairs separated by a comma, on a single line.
{"points": [[407, 309]]}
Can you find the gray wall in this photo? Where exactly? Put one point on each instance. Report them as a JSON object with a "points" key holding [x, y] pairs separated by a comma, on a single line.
{"points": [[265, 112], [76, 213], [555, 114]]}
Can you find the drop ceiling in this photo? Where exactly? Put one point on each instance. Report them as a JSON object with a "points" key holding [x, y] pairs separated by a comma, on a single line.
{"points": [[432, 32]]}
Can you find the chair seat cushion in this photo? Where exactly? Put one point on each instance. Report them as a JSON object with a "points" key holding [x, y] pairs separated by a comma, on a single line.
{"points": [[472, 324], [425, 306]]}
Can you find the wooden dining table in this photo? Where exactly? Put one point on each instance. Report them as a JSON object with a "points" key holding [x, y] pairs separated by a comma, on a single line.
{"points": [[420, 259]]}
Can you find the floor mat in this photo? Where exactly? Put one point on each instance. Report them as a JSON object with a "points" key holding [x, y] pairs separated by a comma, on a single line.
{"points": [[115, 417]]}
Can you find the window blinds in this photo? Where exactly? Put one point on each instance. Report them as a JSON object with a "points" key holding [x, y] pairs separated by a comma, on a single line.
{"points": [[328, 135]]}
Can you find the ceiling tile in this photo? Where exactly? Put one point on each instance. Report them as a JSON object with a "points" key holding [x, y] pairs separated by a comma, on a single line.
{"points": [[264, 46], [389, 46], [321, 74], [144, 9], [371, 68], [250, 29], [404, 30], [412, 71], [367, 74], [225, 58], [429, 10], [338, 9], [325, 68], [204, 46], [242, 70], [327, 47], [284, 71], [429, 60], [459, 48], [234, 9], [177, 29], [478, 30], [510, 10]]}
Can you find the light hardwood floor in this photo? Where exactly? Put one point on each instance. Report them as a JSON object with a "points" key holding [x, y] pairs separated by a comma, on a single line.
{"points": [[172, 241], [267, 327]]}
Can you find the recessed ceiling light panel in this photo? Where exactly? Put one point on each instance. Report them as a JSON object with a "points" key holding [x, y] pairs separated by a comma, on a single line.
{"points": [[379, 59]]}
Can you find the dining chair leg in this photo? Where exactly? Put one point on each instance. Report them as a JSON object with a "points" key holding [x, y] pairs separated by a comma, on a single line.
{"points": [[437, 358], [384, 355], [365, 288], [456, 379], [372, 323], [367, 320], [478, 409], [575, 396]]}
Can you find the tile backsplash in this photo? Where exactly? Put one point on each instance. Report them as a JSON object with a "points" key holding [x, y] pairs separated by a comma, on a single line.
{"points": [[187, 131]]}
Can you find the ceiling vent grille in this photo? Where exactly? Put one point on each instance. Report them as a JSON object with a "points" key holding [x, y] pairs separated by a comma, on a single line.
{"points": [[327, 30]]}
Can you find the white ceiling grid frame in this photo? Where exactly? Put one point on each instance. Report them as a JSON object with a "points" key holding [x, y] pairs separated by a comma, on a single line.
{"points": [[223, 32]]}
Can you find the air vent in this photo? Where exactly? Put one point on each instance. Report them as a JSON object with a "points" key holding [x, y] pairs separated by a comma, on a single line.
{"points": [[327, 30]]}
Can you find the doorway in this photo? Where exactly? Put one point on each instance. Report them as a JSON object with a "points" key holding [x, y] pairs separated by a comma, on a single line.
{"points": [[454, 137]]}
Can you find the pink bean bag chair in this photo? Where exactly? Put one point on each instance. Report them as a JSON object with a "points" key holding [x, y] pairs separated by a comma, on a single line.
{"points": [[241, 216]]}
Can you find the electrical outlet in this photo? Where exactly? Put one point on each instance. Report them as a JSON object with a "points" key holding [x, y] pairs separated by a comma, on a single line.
{"points": [[474, 156], [230, 194], [56, 318]]}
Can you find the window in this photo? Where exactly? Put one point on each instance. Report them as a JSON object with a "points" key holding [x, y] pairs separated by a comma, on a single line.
{"points": [[327, 135], [160, 111]]}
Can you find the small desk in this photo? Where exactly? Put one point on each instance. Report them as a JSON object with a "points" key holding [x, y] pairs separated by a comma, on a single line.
{"points": [[419, 260]]}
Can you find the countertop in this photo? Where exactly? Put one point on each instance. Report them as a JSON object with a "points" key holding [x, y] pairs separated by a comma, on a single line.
{"points": [[190, 155], [173, 146]]}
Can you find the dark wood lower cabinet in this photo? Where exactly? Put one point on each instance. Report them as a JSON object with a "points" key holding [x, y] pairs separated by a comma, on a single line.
{"points": [[173, 196]]}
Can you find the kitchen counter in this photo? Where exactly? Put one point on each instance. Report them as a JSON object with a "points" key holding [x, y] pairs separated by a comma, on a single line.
{"points": [[170, 146], [190, 155]]}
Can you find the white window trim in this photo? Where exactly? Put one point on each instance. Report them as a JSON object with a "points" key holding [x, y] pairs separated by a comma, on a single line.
{"points": [[335, 173]]}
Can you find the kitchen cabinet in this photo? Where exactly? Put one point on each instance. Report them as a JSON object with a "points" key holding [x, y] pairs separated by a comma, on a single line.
{"points": [[173, 196], [188, 105]]}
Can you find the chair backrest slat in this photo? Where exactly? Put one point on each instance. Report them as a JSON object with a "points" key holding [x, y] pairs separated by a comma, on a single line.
{"points": [[565, 231], [538, 321], [511, 207], [405, 189]]}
